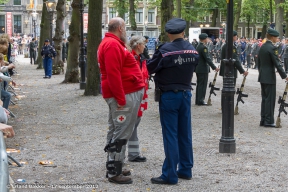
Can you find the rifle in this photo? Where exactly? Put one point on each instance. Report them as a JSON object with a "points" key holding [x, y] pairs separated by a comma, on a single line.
{"points": [[282, 103], [240, 95], [212, 88]]}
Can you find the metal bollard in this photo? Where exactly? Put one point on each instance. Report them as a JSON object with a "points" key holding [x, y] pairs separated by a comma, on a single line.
{"points": [[4, 174]]}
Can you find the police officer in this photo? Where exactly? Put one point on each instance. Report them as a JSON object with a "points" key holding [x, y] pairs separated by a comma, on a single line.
{"points": [[203, 69], [174, 63], [237, 64], [255, 52], [146, 51], [284, 54], [267, 62], [248, 51], [48, 53]]}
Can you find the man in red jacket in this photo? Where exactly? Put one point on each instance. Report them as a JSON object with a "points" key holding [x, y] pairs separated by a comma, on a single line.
{"points": [[122, 88]]}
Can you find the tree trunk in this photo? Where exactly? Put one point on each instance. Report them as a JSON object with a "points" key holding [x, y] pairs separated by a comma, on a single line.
{"points": [[248, 25], [72, 72], [264, 31], [94, 39], [279, 17], [121, 9], [166, 14], [271, 12], [44, 33], [178, 4], [132, 15], [214, 17], [58, 64], [237, 15], [285, 27]]}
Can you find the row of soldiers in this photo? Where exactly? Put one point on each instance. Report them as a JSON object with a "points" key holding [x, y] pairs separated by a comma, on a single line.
{"points": [[267, 61], [247, 50]]}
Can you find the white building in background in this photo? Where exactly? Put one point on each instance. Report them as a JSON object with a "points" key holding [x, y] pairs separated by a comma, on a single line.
{"points": [[147, 19]]}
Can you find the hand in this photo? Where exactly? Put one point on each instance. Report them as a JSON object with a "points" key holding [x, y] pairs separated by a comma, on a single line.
{"points": [[245, 73], [286, 78], [120, 107], [52, 57], [217, 69], [7, 130], [256, 55], [14, 84]]}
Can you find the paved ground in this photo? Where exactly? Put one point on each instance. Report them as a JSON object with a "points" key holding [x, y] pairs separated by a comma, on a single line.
{"points": [[55, 122]]}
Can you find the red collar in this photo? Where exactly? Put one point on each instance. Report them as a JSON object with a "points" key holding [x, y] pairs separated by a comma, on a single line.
{"points": [[111, 35]]}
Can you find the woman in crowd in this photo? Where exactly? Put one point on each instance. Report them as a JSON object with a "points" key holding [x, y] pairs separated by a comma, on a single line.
{"points": [[137, 44]]}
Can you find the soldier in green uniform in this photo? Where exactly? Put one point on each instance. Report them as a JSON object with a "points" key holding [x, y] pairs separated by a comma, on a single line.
{"points": [[202, 70], [237, 64], [267, 62]]}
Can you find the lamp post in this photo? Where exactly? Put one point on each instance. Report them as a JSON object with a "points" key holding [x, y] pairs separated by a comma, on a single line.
{"points": [[227, 142], [82, 61], [224, 30], [51, 6], [34, 17]]}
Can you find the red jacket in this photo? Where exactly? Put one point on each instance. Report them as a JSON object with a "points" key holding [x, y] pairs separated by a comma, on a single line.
{"points": [[120, 73], [144, 102]]}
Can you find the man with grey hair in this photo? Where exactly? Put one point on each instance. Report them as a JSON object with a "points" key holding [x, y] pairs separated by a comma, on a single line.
{"points": [[122, 88]]}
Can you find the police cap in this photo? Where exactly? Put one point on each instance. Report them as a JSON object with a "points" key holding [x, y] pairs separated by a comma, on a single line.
{"points": [[146, 37], [273, 32], [46, 40], [203, 36], [175, 26], [235, 33]]}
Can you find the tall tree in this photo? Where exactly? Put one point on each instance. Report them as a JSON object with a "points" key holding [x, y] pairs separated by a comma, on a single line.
{"points": [[178, 8], [132, 15], [72, 72], [94, 39], [58, 64], [121, 9], [237, 13], [167, 8], [279, 15], [44, 33]]}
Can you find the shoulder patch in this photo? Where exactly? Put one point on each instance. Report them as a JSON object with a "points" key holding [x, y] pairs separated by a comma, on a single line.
{"points": [[234, 50], [276, 52], [205, 50]]}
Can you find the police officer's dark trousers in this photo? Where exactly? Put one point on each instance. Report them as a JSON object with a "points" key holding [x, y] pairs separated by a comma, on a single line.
{"points": [[202, 80], [268, 93], [286, 64], [175, 117], [256, 65], [47, 64], [248, 60]]}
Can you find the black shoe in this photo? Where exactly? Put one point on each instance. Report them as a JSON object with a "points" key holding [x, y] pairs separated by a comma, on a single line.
{"points": [[139, 159], [184, 177], [261, 123], [158, 180], [202, 103], [45, 77], [49, 77], [269, 125]]}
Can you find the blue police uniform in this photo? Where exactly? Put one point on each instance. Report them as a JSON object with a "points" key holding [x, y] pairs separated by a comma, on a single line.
{"points": [[47, 53], [173, 64]]}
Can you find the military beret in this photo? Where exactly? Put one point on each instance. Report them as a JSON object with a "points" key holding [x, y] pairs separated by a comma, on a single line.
{"points": [[175, 26], [273, 32], [46, 40], [235, 33], [203, 36]]}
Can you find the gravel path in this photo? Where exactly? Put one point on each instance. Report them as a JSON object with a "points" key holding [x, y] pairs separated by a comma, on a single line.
{"points": [[56, 122]]}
